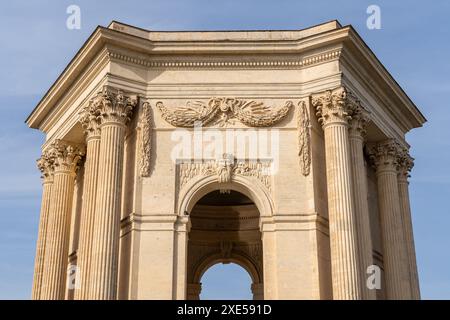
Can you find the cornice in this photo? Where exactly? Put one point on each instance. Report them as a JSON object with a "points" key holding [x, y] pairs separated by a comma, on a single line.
{"points": [[89, 49], [227, 62], [107, 45], [358, 56], [102, 37]]}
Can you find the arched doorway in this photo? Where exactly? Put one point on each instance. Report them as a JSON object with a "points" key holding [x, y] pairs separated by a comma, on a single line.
{"points": [[226, 281], [224, 229]]}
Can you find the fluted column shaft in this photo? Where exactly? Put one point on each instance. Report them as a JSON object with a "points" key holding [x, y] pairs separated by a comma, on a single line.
{"points": [[107, 221], [90, 122], [56, 252], [87, 217], [384, 156], [356, 134], [45, 164], [405, 209], [333, 113], [115, 111]]}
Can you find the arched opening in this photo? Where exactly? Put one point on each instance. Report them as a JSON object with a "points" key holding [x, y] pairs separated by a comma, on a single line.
{"points": [[224, 229], [226, 282]]}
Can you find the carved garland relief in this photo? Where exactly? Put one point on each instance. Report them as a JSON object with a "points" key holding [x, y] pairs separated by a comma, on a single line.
{"points": [[304, 138], [223, 111], [145, 140]]}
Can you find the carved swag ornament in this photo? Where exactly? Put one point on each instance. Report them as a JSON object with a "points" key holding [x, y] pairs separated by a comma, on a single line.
{"points": [[222, 110]]}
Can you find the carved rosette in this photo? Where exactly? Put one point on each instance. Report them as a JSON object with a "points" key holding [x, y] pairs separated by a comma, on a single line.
{"points": [[225, 169], [223, 111], [405, 165], [66, 156], [114, 106], [145, 145], [304, 138], [46, 164], [335, 106], [385, 155]]}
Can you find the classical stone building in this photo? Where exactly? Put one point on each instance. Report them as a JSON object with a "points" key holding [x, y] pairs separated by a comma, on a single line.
{"points": [[281, 151]]}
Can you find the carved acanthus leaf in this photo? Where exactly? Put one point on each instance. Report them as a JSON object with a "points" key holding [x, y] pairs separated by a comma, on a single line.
{"points": [[304, 139], [385, 155], [250, 113], [66, 156], [89, 118], [334, 106], [405, 164], [46, 164], [113, 105]]}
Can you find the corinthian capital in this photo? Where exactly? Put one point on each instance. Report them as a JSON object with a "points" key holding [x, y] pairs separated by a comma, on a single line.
{"points": [[385, 155], [405, 164], [46, 164], [359, 121], [334, 106], [114, 106], [66, 156], [89, 118]]}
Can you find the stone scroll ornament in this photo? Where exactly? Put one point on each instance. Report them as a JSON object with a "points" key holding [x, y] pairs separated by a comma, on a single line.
{"points": [[222, 111], [304, 138]]}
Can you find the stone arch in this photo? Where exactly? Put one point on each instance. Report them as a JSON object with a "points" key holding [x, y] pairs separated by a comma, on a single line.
{"points": [[238, 258], [248, 257], [198, 187]]}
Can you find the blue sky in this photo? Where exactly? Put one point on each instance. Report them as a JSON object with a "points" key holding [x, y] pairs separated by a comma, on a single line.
{"points": [[413, 43]]}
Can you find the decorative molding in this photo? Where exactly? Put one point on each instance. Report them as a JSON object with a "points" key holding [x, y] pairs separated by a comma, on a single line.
{"points": [[89, 117], [250, 113], [358, 123], [335, 106], [145, 141], [385, 155], [46, 164], [256, 253], [225, 168], [225, 248], [280, 63], [304, 138], [67, 157], [112, 105], [405, 164]]}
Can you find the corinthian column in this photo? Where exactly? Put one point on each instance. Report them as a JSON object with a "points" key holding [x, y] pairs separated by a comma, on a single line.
{"points": [[56, 252], [360, 118], [45, 165], [115, 112], [404, 167], [334, 114], [89, 118], [385, 158]]}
